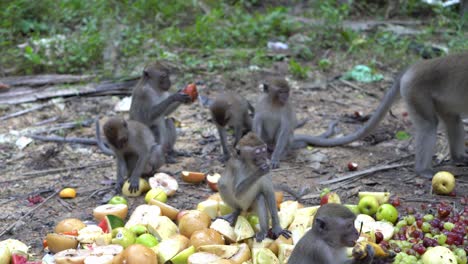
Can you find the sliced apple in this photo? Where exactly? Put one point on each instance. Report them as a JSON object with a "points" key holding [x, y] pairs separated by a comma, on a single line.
{"points": [[165, 181], [166, 209], [60, 242], [182, 257], [69, 225], [104, 259], [242, 255], [143, 214], [285, 251], [224, 208], [162, 227], [90, 234], [264, 256], [212, 181], [193, 177], [120, 210], [192, 221], [243, 229], [225, 229], [71, 256], [210, 207], [287, 211], [366, 221], [386, 228], [203, 258], [142, 188], [169, 248], [382, 197], [265, 243], [206, 236], [222, 251], [279, 198]]}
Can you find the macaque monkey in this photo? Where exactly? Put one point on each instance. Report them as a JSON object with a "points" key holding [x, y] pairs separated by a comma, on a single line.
{"points": [[133, 145], [231, 110], [246, 183], [275, 120], [332, 231], [431, 89], [152, 103]]}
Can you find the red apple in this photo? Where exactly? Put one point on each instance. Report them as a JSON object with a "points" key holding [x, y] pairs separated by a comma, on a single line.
{"points": [[352, 166], [331, 197], [191, 90]]}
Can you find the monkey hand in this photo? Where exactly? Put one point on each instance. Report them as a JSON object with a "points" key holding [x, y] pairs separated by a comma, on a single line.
{"points": [[259, 236], [134, 184], [279, 231], [182, 97], [274, 163]]}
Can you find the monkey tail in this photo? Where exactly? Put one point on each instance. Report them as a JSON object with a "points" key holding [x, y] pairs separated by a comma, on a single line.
{"points": [[99, 142], [378, 115]]}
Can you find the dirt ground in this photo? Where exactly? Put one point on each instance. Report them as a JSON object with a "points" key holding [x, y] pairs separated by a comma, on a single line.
{"points": [[43, 168]]}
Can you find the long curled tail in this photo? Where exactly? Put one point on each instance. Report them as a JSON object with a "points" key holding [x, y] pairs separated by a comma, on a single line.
{"points": [[383, 108], [101, 144]]}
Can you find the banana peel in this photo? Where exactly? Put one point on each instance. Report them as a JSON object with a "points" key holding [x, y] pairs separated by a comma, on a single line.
{"points": [[360, 252]]}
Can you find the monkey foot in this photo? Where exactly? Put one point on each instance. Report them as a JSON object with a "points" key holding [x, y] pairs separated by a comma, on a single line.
{"points": [[260, 236], [230, 218], [180, 153], [275, 232], [170, 160]]}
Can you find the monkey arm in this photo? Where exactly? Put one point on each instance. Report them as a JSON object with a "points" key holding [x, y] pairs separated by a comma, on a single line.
{"points": [[280, 144], [101, 144], [222, 138], [122, 172], [164, 108], [243, 184], [143, 158]]}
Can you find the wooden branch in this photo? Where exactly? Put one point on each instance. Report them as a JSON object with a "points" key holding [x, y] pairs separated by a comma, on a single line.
{"points": [[28, 213], [41, 80], [73, 140], [25, 111], [367, 171]]}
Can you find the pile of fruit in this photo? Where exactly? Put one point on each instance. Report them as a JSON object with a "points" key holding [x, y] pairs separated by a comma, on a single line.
{"points": [[159, 233]]}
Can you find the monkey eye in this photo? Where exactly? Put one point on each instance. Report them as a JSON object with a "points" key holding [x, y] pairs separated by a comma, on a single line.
{"points": [[257, 151], [264, 149]]}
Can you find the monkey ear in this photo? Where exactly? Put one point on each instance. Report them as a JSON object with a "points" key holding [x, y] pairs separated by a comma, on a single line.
{"points": [[321, 224]]}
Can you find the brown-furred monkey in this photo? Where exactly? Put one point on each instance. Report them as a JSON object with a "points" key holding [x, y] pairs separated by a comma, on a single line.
{"points": [[275, 120], [230, 109], [431, 89], [133, 145], [152, 103], [246, 183], [325, 243]]}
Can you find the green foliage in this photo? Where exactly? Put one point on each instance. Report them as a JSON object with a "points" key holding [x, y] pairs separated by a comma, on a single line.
{"points": [[297, 70], [324, 64], [402, 135]]}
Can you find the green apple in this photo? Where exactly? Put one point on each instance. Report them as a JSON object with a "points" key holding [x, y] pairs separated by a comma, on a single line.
{"points": [[139, 229], [368, 205], [118, 200], [449, 226], [387, 212], [461, 255], [443, 182], [254, 221], [324, 191], [156, 193], [382, 197], [182, 257], [147, 240], [123, 237], [438, 255], [353, 207]]}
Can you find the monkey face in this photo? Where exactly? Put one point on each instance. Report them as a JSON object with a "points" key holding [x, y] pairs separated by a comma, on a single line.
{"points": [[282, 96], [116, 132], [158, 78]]}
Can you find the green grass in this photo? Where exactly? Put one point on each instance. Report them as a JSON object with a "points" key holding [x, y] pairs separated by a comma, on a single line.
{"points": [[230, 35]]}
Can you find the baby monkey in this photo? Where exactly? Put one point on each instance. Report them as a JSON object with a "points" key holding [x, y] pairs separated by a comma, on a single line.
{"points": [[246, 183], [332, 231], [133, 145]]}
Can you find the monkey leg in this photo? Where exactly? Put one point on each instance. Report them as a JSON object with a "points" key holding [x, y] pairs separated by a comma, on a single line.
{"points": [[425, 122], [232, 217], [222, 138], [122, 172], [276, 229], [456, 137], [262, 212]]}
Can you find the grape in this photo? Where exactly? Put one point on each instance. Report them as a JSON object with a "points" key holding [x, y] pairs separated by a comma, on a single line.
{"points": [[428, 218], [426, 227], [449, 226], [410, 219], [419, 248], [378, 237]]}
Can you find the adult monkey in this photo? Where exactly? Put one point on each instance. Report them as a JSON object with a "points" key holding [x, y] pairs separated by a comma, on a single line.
{"points": [[332, 231], [431, 89], [152, 103], [275, 120], [246, 183]]}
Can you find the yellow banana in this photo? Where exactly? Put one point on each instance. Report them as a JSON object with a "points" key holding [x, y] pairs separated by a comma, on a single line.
{"points": [[360, 252]]}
